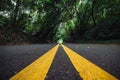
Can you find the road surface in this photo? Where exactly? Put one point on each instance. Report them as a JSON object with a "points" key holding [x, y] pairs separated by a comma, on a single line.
{"points": [[14, 59]]}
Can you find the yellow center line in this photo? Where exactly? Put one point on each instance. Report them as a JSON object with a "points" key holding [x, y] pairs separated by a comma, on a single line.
{"points": [[87, 70], [39, 68]]}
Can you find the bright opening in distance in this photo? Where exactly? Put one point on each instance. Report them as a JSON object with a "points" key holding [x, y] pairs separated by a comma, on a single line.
{"points": [[60, 41]]}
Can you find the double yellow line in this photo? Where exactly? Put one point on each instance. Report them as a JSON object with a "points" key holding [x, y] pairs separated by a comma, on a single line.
{"points": [[39, 68]]}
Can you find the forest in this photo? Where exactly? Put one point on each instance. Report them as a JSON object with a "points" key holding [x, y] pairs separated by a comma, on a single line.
{"points": [[53, 20]]}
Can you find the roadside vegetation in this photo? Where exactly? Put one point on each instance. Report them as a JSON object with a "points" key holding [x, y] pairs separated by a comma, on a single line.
{"points": [[42, 21]]}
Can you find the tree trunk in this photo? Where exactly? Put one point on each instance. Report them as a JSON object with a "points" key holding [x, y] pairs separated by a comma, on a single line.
{"points": [[15, 16], [92, 14]]}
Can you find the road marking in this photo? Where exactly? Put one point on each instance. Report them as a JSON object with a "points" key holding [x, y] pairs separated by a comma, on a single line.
{"points": [[87, 70], [39, 68]]}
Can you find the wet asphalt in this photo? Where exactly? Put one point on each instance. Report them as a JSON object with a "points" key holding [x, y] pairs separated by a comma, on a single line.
{"points": [[15, 58]]}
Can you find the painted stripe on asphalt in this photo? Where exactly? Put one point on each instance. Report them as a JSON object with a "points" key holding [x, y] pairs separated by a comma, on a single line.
{"points": [[39, 68], [87, 70]]}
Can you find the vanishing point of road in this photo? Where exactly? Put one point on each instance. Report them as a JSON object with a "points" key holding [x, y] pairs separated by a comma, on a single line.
{"points": [[60, 62]]}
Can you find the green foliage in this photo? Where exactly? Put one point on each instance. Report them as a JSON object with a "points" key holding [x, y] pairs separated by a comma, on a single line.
{"points": [[62, 19]]}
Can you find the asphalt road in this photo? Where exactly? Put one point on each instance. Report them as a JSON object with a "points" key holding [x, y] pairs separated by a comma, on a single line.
{"points": [[14, 58], [62, 69], [106, 57]]}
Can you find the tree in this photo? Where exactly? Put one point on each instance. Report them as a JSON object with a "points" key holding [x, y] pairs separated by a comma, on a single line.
{"points": [[76, 19]]}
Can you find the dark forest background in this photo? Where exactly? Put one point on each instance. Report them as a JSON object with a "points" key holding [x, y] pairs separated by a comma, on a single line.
{"points": [[41, 21]]}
